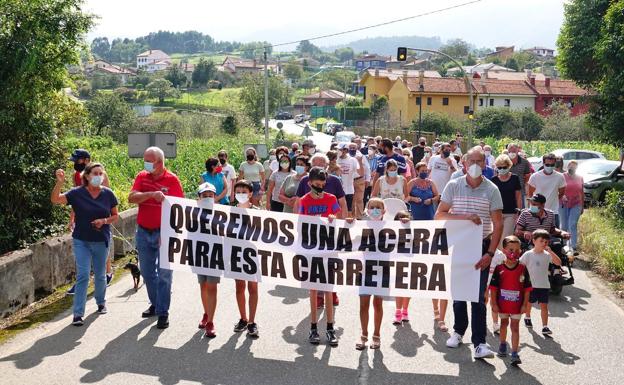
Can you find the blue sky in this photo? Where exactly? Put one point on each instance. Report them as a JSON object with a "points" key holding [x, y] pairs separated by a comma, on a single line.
{"points": [[489, 23]]}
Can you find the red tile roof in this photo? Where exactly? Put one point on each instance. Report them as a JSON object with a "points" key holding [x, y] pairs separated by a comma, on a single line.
{"points": [[502, 87], [439, 85], [394, 74], [326, 94], [560, 88]]}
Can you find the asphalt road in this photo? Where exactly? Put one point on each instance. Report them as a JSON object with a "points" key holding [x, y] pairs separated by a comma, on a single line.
{"points": [[122, 348], [322, 141]]}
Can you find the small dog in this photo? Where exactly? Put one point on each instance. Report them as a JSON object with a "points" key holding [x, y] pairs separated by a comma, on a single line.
{"points": [[136, 274]]}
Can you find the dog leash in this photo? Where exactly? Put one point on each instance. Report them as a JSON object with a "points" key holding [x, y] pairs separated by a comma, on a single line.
{"points": [[124, 239]]}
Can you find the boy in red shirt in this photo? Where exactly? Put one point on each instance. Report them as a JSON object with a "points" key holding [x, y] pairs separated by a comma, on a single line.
{"points": [[509, 288], [322, 204]]}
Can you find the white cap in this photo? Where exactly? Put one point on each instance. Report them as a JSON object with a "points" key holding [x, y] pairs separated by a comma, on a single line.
{"points": [[206, 187], [342, 145]]}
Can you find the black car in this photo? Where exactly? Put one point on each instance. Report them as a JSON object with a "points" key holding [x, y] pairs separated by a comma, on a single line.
{"points": [[283, 116]]}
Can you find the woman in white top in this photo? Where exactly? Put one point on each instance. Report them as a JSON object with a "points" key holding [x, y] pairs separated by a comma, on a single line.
{"points": [[391, 184]]}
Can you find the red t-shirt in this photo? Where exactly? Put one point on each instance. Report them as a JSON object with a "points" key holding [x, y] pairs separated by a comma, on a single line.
{"points": [[513, 285], [77, 179], [149, 210], [321, 207]]}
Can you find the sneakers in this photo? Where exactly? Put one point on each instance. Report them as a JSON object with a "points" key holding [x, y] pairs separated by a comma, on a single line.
{"points": [[528, 323], [502, 350], [77, 321], [252, 329], [404, 316], [546, 331], [455, 340], [163, 322], [71, 290], [240, 326], [483, 351], [314, 337], [496, 328], [335, 299], [150, 312], [398, 317], [204, 320], [515, 359], [320, 302], [109, 279], [102, 309], [210, 330], [332, 340]]}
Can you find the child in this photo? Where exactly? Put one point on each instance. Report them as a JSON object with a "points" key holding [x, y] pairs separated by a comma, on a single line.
{"points": [[375, 211], [509, 288], [319, 203], [243, 191], [402, 303], [537, 261], [207, 283], [498, 259]]}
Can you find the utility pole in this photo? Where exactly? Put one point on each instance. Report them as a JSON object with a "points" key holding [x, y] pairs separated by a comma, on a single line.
{"points": [[266, 100], [344, 101]]}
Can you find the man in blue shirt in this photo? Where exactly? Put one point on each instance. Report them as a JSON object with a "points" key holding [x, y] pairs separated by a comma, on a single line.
{"points": [[387, 149]]}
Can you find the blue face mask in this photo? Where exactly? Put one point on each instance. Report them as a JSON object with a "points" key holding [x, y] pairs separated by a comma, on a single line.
{"points": [[352, 152], [392, 174], [148, 166], [423, 175], [96, 180], [375, 213], [300, 169], [534, 209]]}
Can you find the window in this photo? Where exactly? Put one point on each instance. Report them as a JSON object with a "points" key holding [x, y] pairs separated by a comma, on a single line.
{"points": [[585, 155], [480, 102], [429, 101], [570, 155], [507, 103], [466, 109], [491, 102], [418, 100], [445, 102]]}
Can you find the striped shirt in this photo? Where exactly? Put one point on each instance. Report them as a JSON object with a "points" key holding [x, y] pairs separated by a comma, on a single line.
{"points": [[465, 200], [529, 222]]}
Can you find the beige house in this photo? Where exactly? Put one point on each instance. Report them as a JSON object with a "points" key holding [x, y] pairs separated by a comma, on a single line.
{"points": [[152, 56]]}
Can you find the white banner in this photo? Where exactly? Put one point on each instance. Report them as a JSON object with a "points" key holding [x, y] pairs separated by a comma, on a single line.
{"points": [[431, 259]]}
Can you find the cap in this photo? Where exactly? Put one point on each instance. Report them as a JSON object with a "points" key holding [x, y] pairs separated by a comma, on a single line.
{"points": [[79, 154], [538, 198], [308, 143], [206, 187], [343, 145]]}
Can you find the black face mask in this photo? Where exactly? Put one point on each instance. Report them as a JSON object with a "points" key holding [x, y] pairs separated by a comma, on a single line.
{"points": [[317, 189], [79, 167], [446, 153], [250, 157], [222, 160]]}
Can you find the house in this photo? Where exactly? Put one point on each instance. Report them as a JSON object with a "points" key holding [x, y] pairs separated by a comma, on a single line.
{"points": [[101, 67], [188, 69], [377, 82], [325, 98], [565, 91], [371, 61], [541, 51], [158, 66], [478, 69], [507, 75], [238, 67], [514, 94], [446, 95], [501, 53], [151, 56]]}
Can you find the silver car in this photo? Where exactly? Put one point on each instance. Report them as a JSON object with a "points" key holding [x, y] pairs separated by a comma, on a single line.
{"points": [[579, 156]]}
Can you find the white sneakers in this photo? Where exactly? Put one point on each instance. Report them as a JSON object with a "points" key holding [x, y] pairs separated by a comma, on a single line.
{"points": [[483, 351], [454, 341]]}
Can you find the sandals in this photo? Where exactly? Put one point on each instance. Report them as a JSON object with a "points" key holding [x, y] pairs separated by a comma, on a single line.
{"points": [[376, 342], [362, 344], [436, 315], [442, 326]]}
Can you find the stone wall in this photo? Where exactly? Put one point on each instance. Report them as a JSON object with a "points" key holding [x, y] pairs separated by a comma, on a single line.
{"points": [[48, 264]]}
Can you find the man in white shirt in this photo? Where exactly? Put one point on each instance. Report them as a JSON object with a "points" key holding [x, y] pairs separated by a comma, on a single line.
{"points": [[228, 171], [441, 167], [351, 169], [550, 184], [360, 182], [455, 149]]}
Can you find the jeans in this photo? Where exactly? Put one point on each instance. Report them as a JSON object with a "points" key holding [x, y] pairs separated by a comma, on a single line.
{"points": [[478, 319], [569, 219], [87, 253], [157, 280], [277, 206], [367, 195]]}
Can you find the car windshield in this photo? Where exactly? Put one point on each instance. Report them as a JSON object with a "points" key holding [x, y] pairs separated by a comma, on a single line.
{"points": [[597, 168], [343, 138]]}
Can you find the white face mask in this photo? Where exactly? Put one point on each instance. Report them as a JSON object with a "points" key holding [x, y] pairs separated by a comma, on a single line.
{"points": [[242, 198], [207, 201], [272, 157], [312, 150], [513, 155], [475, 171], [488, 153]]}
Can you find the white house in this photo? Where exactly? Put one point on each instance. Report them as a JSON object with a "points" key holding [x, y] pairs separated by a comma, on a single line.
{"points": [[513, 94], [157, 66], [151, 57], [541, 51]]}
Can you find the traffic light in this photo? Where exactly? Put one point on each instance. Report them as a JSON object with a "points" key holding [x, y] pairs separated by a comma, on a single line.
{"points": [[402, 54]]}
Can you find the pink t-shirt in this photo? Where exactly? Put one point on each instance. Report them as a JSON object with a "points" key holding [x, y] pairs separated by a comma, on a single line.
{"points": [[573, 190]]}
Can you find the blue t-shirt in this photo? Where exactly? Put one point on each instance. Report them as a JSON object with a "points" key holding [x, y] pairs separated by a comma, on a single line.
{"points": [[217, 181], [381, 165], [87, 210], [488, 172]]}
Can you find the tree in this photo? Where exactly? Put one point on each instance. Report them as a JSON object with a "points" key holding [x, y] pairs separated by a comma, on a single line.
{"points": [[176, 76], [161, 89], [512, 63], [110, 115], [101, 47], [204, 72], [456, 48], [305, 48], [590, 53], [38, 40], [438, 123], [253, 49], [252, 96], [561, 125], [495, 122], [344, 54], [293, 71]]}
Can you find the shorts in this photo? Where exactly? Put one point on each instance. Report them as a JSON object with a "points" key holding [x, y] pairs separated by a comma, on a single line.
{"points": [[507, 315], [349, 199], [207, 279], [256, 189], [539, 295]]}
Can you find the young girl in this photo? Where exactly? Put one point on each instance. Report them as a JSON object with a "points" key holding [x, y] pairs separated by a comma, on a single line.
{"points": [[243, 191], [402, 303]]}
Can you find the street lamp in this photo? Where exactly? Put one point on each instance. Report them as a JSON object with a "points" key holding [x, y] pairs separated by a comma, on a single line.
{"points": [[421, 88]]}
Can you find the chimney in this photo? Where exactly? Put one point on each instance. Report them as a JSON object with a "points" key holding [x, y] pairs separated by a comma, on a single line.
{"points": [[547, 81], [485, 74], [532, 80], [421, 78], [376, 72]]}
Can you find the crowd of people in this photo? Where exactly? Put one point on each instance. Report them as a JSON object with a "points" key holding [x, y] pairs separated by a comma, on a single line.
{"points": [[520, 209]]}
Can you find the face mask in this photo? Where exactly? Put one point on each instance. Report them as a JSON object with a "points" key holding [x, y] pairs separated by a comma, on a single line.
{"points": [[512, 255], [423, 175], [502, 171], [242, 197], [534, 209], [571, 171], [312, 150], [79, 167], [218, 169], [446, 153], [222, 161], [317, 189], [392, 174], [96, 180], [284, 165], [427, 154], [299, 169], [435, 149], [352, 152], [272, 157], [549, 169], [513, 155], [488, 153], [375, 213], [475, 171], [207, 201], [250, 157], [422, 143], [148, 166]]}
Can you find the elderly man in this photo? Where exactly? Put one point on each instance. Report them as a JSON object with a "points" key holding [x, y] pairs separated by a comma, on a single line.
{"points": [[148, 191], [473, 197], [520, 167], [418, 151]]}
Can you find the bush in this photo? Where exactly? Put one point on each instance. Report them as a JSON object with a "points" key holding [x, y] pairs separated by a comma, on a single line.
{"points": [[615, 206], [501, 121], [229, 125], [602, 240], [438, 123]]}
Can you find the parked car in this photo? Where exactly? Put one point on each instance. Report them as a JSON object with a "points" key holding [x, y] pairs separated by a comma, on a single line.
{"points": [[600, 176], [283, 115], [344, 136], [579, 155], [332, 128], [301, 118]]}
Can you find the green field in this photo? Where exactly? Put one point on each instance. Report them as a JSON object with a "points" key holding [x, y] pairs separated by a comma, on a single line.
{"points": [[203, 100], [194, 58]]}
